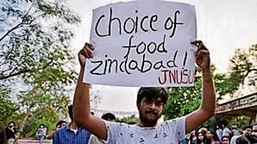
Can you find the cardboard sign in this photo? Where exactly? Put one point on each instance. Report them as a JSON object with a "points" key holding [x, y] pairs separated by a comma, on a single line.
{"points": [[143, 43]]}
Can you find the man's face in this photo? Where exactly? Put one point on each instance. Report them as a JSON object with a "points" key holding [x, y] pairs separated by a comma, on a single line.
{"points": [[254, 130], [150, 111], [11, 125], [247, 131], [225, 140]]}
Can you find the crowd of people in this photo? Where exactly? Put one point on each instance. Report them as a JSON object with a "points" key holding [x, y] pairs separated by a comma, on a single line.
{"points": [[64, 133], [68, 133], [223, 135]]}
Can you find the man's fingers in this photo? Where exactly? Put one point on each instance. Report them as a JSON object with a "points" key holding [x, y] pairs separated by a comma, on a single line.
{"points": [[199, 44], [87, 50], [89, 45], [196, 42], [201, 52]]}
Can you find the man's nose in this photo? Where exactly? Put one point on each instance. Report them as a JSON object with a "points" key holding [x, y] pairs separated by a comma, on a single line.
{"points": [[153, 105]]}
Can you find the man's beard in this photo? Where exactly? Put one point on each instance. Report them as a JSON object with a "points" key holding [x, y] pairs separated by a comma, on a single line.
{"points": [[148, 122]]}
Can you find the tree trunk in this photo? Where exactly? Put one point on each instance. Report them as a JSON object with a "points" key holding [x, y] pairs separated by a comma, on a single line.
{"points": [[24, 120]]}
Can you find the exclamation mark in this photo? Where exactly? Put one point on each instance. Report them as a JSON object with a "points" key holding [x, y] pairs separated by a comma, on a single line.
{"points": [[185, 59]]}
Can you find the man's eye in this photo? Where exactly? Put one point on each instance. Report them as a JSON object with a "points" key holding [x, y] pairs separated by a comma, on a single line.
{"points": [[159, 103]]}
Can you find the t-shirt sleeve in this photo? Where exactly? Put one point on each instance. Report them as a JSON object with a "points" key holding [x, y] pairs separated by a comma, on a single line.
{"points": [[178, 126], [113, 131]]}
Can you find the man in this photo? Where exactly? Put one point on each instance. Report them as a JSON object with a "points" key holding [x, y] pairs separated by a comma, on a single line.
{"points": [[244, 138], [225, 130], [219, 132], [150, 102], [235, 130], [10, 132], [41, 133], [254, 132], [60, 124], [235, 133], [253, 137], [71, 134]]}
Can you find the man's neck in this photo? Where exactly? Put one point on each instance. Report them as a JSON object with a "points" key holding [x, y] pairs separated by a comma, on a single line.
{"points": [[141, 124], [73, 125]]}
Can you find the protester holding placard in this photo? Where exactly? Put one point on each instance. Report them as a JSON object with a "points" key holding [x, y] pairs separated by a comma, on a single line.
{"points": [[149, 48], [150, 102]]}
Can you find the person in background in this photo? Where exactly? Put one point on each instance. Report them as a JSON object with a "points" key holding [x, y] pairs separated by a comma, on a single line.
{"points": [[201, 138], [219, 132], [235, 130], [225, 140], [212, 138], [253, 137], [243, 139], [108, 117], [60, 124], [10, 132], [254, 131], [193, 137], [41, 133], [150, 103], [185, 140], [72, 133], [203, 130], [225, 130]]}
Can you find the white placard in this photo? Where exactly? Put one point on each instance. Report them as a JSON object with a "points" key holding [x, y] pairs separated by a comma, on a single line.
{"points": [[143, 43]]}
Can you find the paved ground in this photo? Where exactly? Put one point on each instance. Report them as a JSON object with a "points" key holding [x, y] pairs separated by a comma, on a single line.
{"points": [[22, 141]]}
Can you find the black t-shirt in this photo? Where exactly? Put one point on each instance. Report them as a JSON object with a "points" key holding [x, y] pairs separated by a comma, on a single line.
{"points": [[9, 133]]}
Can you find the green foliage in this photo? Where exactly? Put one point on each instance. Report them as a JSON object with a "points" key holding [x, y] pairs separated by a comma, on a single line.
{"points": [[7, 107], [241, 121], [35, 39], [47, 116], [129, 120], [183, 100]]}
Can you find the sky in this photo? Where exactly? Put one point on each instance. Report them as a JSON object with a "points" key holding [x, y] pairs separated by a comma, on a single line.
{"points": [[221, 25]]}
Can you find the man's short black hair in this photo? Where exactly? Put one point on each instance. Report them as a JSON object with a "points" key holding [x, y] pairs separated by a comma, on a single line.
{"points": [[108, 116], [60, 122], [246, 127], [152, 93]]}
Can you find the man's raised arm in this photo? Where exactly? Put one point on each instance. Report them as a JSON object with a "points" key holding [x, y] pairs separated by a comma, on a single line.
{"points": [[81, 101], [208, 101]]}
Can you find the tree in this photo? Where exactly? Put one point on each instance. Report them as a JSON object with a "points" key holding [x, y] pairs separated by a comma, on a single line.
{"points": [[35, 53], [47, 116], [243, 68]]}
